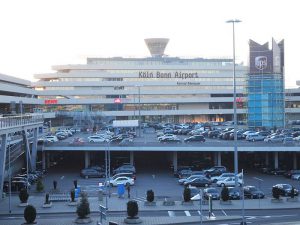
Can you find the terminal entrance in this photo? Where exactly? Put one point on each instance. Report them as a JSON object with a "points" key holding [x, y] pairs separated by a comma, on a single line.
{"points": [[152, 161]]}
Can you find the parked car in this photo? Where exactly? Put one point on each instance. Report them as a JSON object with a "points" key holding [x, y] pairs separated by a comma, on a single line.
{"points": [[51, 139], [130, 175], [288, 141], [229, 181], [274, 139], [179, 168], [213, 133], [184, 173], [160, 138], [120, 180], [234, 193], [285, 189], [199, 182], [96, 139], [215, 171], [290, 173], [295, 176], [170, 140], [125, 167], [221, 177], [254, 137], [213, 192], [88, 173], [195, 138], [253, 192], [126, 142], [183, 180]]}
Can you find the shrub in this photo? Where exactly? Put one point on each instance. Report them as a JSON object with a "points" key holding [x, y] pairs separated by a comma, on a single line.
{"points": [[225, 194], [29, 214], [292, 192], [75, 184], [132, 209], [150, 196], [39, 186], [83, 209], [23, 195], [72, 193], [47, 199], [187, 194], [275, 193], [54, 184]]}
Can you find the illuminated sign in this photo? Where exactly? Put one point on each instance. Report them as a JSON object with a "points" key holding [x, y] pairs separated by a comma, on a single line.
{"points": [[50, 101], [117, 100]]}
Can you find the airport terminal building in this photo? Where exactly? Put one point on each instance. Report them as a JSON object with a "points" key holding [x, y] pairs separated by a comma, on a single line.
{"points": [[157, 88]]}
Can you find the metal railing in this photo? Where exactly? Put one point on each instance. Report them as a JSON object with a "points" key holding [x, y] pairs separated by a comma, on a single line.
{"points": [[17, 121]]}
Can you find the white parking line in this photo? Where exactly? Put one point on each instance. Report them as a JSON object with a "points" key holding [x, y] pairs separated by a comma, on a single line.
{"points": [[199, 213], [171, 213], [187, 213], [224, 212]]}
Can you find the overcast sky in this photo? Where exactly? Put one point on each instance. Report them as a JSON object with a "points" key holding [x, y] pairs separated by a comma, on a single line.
{"points": [[36, 34]]}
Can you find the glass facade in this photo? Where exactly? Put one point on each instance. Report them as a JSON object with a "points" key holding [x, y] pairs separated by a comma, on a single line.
{"points": [[266, 101]]}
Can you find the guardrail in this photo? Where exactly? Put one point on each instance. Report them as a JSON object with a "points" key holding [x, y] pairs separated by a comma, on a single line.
{"points": [[17, 121]]}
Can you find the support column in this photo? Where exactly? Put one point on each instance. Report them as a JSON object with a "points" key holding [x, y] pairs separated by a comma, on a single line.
{"points": [[86, 159], [34, 149], [275, 160], [48, 160], [131, 158], [267, 159], [219, 159], [43, 160], [295, 166], [2, 161], [175, 161], [215, 158]]}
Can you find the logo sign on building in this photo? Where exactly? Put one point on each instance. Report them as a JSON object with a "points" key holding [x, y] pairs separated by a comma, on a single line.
{"points": [[50, 101], [117, 100], [261, 62]]}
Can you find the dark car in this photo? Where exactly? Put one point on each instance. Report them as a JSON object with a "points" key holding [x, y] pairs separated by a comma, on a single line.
{"points": [[234, 193], [290, 173], [199, 182], [87, 173], [285, 189], [253, 192], [215, 171], [213, 133], [277, 171], [184, 173], [18, 185], [179, 168], [196, 138], [213, 192]]}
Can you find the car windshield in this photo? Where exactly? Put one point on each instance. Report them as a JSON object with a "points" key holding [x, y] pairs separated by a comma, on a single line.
{"points": [[286, 186], [253, 189]]}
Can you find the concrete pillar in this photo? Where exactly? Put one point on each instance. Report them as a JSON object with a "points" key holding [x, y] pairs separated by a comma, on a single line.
{"points": [[86, 159], [215, 158], [2, 161], [175, 161], [48, 160], [295, 166], [267, 159], [131, 158], [43, 160], [219, 159], [275, 160], [34, 149]]}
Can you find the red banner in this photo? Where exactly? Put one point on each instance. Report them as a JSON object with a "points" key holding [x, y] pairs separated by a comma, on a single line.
{"points": [[50, 101]]}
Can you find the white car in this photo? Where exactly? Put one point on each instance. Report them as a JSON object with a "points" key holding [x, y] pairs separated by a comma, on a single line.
{"points": [[254, 137], [229, 181], [223, 176], [295, 176], [166, 136], [120, 180], [96, 139], [51, 138]]}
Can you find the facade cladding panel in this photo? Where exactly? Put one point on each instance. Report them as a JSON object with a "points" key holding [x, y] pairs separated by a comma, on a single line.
{"points": [[266, 86]]}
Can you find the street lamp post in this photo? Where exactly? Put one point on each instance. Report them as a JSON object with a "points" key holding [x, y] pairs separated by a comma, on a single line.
{"points": [[234, 105], [9, 177], [139, 93]]}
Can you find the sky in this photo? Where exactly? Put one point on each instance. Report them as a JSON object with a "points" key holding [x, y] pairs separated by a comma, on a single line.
{"points": [[37, 34]]}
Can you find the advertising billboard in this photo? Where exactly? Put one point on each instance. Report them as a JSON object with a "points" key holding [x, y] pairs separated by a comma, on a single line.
{"points": [[261, 62]]}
